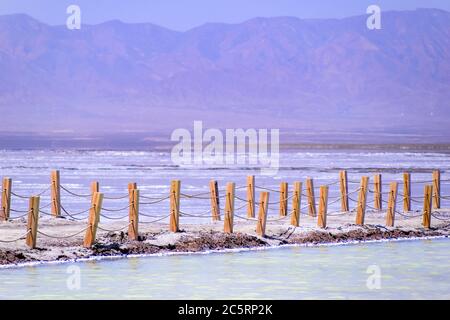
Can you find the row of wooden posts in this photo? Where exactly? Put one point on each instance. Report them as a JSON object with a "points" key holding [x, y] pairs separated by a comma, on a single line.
{"points": [[431, 192]]}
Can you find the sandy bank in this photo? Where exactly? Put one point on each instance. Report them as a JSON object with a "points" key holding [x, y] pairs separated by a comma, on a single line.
{"points": [[155, 238]]}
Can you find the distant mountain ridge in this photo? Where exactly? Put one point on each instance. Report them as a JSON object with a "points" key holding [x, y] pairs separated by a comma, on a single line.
{"points": [[283, 72]]}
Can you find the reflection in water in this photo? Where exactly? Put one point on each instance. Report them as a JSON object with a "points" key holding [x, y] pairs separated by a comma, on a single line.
{"points": [[409, 270]]}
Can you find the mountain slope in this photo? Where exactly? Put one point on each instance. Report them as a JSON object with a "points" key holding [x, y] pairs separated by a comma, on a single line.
{"points": [[266, 72]]}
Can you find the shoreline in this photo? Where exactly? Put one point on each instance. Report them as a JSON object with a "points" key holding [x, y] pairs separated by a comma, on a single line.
{"points": [[115, 245], [235, 250]]}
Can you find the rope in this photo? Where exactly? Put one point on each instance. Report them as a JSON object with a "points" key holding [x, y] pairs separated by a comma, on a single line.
{"points": [[115, 198], [115, 230], [242, 199], [279, 219], [116, 210], [47, 205], [331, 184], [440, 218], [333, 214], [21, 238], [407, 216], [19, 196], [75, 214], [18, 217], [36, 195], [195, 195], [150, 215], [245, 218], [196, 214], [45, 212], [193, 215], [153, 198], [335, 201], [75, 194], [157, 220], [113, 218], [19, 211], [153, 202], [268, 189], [62, 237], [282, 200]]}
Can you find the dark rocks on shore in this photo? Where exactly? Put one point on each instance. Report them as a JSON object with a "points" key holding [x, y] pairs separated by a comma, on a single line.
{"points": [[117, 243]]}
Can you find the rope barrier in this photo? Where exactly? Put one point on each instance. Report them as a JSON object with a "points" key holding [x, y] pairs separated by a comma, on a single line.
{"points": [[268, 189], [47, 205], [115, 198], [279, 219], [76, 213], [157, 220], [114, 230], [153, 198], [18, 217], [19, 196], [19, 211], [196, 214], [150, 215], [45, 212], [197, 196], [75, 194], [439, 218], [113, 218], [285, 199], [245, 218], [27, 197], [21, 238], [153, 202], [337, 213], [116, 210], [62, 237]]}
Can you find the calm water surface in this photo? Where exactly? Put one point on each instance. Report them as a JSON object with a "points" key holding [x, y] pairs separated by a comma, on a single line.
{"points": [[417, 269]]}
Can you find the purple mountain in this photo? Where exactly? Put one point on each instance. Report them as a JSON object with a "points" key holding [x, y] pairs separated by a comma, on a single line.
{"points": [[326, 75]]}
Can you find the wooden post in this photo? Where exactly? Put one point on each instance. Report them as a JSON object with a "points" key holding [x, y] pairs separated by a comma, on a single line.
{"points": [[362, 201], [131, 186], [251, 196], [323, 207], [133, 215], [95, 187], [427, 199], [93, 219], [6, 199], [343, 182], [436, 189], [32, 224], [392, 204], [262, 214], [229, 208], [283, 199], [56, 193], [406, 192], [377, 192], [296, 204], [215, 208], [175, 206], [310, 195]]}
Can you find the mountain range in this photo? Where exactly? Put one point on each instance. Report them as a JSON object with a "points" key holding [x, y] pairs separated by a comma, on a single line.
{"points": [[314, 75]]}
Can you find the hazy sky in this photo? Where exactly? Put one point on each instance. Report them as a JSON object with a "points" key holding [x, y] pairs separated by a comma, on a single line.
{"points": [[185, 14]]}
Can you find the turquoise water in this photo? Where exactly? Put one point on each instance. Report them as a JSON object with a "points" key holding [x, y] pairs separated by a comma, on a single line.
{"points": [[418, 269]]}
